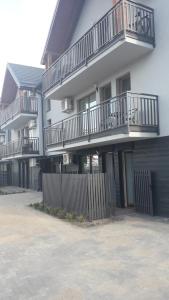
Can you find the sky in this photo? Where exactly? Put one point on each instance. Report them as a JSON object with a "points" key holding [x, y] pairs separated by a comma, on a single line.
{"points": [[24, 26]]}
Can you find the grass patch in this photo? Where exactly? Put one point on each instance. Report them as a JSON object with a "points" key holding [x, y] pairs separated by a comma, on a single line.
{"points": [[58, 213]]}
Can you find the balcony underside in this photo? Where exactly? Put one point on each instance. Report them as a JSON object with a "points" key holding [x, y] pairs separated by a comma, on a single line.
{"points": [[18, 121], [116, 57], [20, 156], [115, 136]]}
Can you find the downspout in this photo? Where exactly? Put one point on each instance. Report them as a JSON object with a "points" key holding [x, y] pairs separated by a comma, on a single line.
{"points": [[42, 116]]}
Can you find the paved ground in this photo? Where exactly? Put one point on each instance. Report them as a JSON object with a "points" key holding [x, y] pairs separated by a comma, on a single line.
{"points": [[44, 258], [11, 190]]}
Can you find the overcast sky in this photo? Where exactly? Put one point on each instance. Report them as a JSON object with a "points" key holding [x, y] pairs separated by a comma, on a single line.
{"points": [[24, 26]]}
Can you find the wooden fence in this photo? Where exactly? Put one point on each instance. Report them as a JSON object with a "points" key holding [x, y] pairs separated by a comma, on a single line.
{"points": [[89, 195]]}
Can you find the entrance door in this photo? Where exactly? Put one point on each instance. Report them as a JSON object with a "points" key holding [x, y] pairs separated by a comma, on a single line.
{"points": [[123, 84], [128, 174]]}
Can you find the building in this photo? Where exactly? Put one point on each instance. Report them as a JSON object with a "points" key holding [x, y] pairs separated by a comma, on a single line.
{"points": [[107, 71], [21, 120]]}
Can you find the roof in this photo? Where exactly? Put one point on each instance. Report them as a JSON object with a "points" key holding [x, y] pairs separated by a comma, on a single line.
{"points": [[25, 76], [19, 76], [64, 21]]}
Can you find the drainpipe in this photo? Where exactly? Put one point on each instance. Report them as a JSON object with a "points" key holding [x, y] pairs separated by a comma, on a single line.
{"points": [[42, 119]]}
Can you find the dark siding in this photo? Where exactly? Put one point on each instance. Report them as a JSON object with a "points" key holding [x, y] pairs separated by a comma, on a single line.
{"points": [[15, 173], [117, 179], [34, 178], [154, 155]]}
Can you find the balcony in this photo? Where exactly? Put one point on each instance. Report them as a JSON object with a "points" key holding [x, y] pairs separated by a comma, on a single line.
{"points": [[129, 116], [19, 112], [20, 148], [122, 36]]}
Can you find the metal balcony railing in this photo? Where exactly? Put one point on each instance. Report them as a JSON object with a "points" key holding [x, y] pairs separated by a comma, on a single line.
{"points": [[125, 19], [21, 146], [26, 105], [136, 112]]}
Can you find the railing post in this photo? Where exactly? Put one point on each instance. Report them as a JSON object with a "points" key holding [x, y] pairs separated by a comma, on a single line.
{"points": [[128, 108], [88, 123], [62, 134], [124, 18], [158, 120]]}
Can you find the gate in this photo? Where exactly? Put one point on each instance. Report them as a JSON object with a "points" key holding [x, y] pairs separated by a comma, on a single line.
{"points": [[143, 192], [84, 194]]}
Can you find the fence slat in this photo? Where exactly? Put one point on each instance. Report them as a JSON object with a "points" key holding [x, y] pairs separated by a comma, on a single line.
{"points": [[83, 194]]}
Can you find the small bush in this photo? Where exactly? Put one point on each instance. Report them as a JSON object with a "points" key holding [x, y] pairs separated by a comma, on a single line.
{"points": [[80, 219], [58, 212], [70, 217], [61, 213]]}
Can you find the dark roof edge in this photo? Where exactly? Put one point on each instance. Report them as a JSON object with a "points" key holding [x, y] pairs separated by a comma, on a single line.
{"points": [[50, 30]]}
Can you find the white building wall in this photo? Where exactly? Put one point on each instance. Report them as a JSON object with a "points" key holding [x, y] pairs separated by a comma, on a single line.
{"points": [[35, 132], [150, 73], [56, 114], [92, 11]]}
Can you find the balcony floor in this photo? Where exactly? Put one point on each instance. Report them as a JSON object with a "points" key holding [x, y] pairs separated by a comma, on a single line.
{"points": [[116, 57], [18, 121], [100, 141], [19, 156]]}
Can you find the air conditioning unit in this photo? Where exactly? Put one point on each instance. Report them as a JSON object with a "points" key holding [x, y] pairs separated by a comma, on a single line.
{"points": [[67, 105], [33, 124], [67, 159]]}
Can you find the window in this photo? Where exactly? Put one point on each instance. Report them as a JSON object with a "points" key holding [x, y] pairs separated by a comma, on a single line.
{"points": [[49, 122], [9, 135], [123, 84], [87, 102], [105, 92], [48, 105], [19, 134], [91, 164]]}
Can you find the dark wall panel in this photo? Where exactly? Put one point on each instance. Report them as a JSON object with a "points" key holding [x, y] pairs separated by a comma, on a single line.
{"points": [[154, 156]]}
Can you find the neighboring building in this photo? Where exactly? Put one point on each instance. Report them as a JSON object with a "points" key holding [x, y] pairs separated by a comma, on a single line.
{"points": [[21, 120], [107, 71]]}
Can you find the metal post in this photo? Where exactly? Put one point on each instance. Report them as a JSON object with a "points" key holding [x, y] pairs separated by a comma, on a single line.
{"points": [[88, 123]]}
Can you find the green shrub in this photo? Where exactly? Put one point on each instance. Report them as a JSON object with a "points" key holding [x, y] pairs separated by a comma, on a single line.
{"points": [[80, 219], [58, 212], [70, 217], [61, 213]]}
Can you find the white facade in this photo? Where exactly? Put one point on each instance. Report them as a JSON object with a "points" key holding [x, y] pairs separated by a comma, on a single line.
{"points": [[148, 73]]}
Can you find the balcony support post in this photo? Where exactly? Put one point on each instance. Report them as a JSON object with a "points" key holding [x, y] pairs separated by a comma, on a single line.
{"points": [[124, 18], [88, 123], [63, 144], [158, 121], [128, 107]]}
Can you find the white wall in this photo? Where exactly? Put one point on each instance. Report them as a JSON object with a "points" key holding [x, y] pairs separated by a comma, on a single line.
{"points": [[151, 73], [33, 132], [148, 75], [92, 11], [56, 114]]}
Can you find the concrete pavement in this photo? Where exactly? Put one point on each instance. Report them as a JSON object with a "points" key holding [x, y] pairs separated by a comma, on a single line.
{"points": [[45, 258]]}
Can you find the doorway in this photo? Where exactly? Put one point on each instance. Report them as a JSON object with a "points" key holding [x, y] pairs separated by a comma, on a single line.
{"points": [[123, 84]]}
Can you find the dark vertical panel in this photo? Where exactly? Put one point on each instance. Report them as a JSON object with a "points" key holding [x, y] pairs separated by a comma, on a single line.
{"points": [[143, 191]]}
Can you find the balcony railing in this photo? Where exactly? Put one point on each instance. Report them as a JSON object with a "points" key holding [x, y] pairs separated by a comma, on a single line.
{"points": [[26, 105], [23, 146], [126, 18], [121, 114]]}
